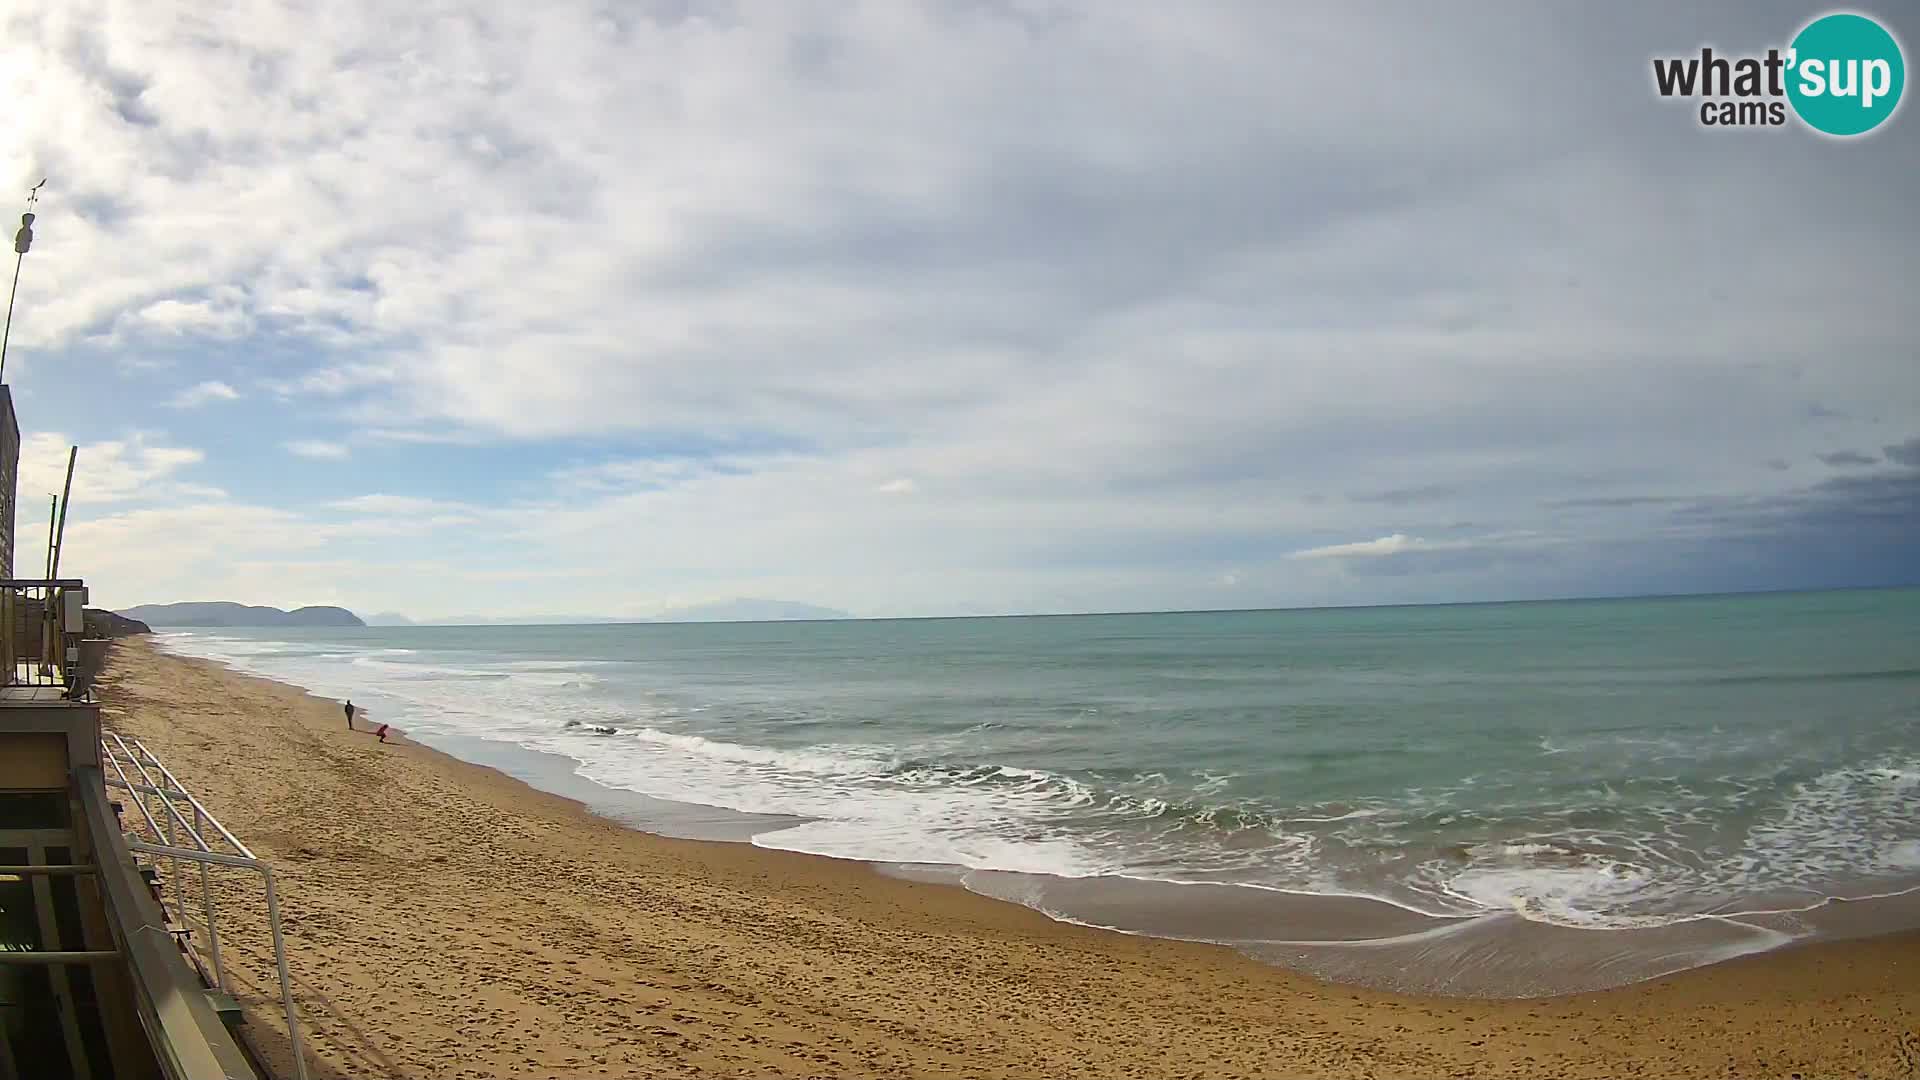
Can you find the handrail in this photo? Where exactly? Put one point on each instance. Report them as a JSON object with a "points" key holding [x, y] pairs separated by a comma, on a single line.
{"points": [[206, 895], [165, 801], [188, 795], [125, 783], [41, 628], [55, 956], [205, 856], [186, 1033]]}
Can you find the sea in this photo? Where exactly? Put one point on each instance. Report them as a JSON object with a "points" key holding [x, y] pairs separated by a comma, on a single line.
{"points": [[1509, 800]]}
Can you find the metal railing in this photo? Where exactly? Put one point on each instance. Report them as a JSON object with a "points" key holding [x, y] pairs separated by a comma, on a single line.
{"points": [[167, 795], [41, 623]]}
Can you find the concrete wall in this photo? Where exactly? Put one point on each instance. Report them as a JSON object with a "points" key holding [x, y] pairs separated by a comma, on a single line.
{"points": [[33, 760]]}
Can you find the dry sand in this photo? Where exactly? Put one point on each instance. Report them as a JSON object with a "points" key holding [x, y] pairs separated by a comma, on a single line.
{"points": [[444, 920]]}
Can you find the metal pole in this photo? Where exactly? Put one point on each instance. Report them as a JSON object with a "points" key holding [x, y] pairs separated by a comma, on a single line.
{"points": [[138, 787], [206, 856], [286, 988], [53, 516], [52, 956], [66, 497], [22, 240], [173, 814], [172, 810], [218, 858], [46, 594], [8, 332], [201, 816], [188, 795], [139, 803], [213, 931], [214, 858]]}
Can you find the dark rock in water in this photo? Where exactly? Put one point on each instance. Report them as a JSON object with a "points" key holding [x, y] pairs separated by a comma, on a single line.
{"points": [[106, 624]]}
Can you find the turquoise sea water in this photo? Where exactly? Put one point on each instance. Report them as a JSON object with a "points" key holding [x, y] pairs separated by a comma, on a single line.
{"points": [[1598, 765]]}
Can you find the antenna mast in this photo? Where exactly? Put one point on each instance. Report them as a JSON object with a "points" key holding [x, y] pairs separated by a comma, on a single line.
{"points": [[53, 512], [60, 535], [22, 241]]}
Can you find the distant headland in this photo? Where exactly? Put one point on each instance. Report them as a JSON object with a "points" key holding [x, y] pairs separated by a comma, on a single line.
{"points": [[221, 613]]}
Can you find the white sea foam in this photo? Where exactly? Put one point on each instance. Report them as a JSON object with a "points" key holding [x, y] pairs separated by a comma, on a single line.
{"points": [[1580, 894], [1902, 854], [1529, 849], [910, 802]]}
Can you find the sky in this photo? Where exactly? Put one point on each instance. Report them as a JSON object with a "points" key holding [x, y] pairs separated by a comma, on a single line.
{"points": [[938, 308]]}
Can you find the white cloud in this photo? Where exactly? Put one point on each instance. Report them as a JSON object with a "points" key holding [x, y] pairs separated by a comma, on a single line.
{"points": [[318, 449], [632, 475], [333, 381], [116, 470], [478, 247], [204, 392], [1396, 544], [1128, 328], [1513, 540], [392, 504], [205, 318]]}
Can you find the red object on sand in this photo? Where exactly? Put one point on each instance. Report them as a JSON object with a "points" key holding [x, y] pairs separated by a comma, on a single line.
{"points": [[382, 732]]}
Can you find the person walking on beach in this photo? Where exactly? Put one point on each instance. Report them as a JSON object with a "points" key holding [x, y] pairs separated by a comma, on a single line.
{"points": [[349, 714]]}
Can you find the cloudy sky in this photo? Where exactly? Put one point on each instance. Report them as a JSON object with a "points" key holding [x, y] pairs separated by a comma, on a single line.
{"points": [[946, 307]]}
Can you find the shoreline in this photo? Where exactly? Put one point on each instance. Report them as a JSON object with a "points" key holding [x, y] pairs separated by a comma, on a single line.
{"points": [[436, 903], [1349, 938]]}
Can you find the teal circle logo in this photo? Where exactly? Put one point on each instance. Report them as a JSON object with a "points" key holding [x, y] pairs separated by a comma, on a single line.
{"points": [[1845, 74]]}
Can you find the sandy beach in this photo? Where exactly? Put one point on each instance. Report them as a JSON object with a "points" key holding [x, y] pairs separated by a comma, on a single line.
{"points": [[445, 920]]}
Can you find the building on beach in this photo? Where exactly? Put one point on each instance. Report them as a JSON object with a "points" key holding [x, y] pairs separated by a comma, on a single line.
{"points": [[110, 966]]}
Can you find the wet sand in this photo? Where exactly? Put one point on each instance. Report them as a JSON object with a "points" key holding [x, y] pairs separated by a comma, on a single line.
{"points": [[445, 920]]}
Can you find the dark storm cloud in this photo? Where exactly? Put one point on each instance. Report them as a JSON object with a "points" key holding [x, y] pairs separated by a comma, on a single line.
{"points": [[1859, 507], [1616, 502], [1847, 458], [1457, 561]]}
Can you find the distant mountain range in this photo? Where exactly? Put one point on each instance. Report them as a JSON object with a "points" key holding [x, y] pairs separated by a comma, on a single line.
{"points": [[744, 610], [227, 614], [221, 613]]}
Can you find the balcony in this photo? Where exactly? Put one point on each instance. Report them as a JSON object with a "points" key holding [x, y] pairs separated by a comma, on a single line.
{"points": [[45, 656]]}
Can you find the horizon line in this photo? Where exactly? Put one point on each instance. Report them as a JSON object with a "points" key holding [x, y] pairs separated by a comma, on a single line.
{"points": [[657, 621]]}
